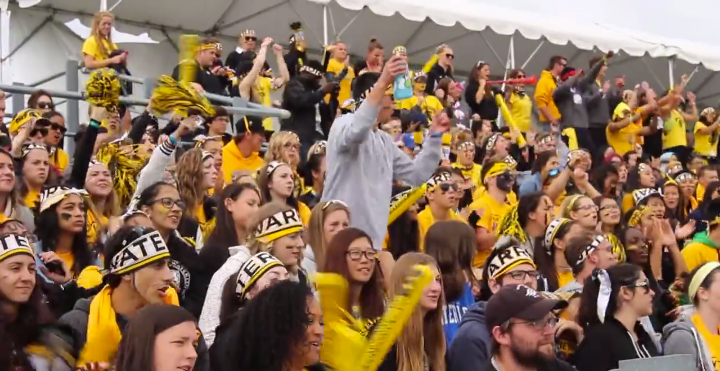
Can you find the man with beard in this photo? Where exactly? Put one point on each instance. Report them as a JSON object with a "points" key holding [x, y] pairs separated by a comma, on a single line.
{"points": [[301, 97], [522, 323]]}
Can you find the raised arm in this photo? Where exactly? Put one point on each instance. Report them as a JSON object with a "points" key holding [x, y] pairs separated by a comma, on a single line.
{"points": [[248, 81], [418, 171], [282, 67], [352, 131]]}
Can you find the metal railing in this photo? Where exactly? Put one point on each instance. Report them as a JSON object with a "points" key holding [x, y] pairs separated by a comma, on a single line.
{"points": [[73, 94]]}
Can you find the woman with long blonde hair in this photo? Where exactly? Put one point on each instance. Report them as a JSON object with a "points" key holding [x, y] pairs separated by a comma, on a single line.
{"points": [[421, 345], [97, 48], [326, 220], [284, 146], [196, 173]]}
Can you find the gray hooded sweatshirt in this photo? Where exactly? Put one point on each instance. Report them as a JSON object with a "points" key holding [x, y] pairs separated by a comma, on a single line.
{"points": [[362, 164], [681, 337]]}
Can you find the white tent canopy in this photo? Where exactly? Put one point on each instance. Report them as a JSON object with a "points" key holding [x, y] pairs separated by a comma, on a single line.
{"points": [[475, 29]]}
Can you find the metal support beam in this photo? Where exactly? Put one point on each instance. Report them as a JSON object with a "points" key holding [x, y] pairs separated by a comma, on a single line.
{"points": [[497, 56], [325, 25], [249, 16], [311, 29], [170, 40], [72, 117], [704, 83], [32, 34], [532, 55], [653, 74], [671, 71], [223, 16], [350, 23], [332, 22]]}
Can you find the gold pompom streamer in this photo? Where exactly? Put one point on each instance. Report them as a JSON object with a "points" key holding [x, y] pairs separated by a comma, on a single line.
{"points": [[171, 95], [103, 89], [124, 166], [510, 225], [344, 343]]}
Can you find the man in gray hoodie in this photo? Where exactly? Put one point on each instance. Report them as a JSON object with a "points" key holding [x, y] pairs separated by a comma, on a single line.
{"points": [[362, 161], [570, 98]]}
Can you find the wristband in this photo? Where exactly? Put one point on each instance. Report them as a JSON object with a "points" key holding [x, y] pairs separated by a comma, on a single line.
{"points": [[173, 140], [436, 134], [94, 123]]}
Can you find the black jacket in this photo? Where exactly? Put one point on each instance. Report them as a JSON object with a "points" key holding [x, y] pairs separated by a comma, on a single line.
{"points": [[211, 83], [548, 365], [300, 99], [605, 345], [436, 74]]}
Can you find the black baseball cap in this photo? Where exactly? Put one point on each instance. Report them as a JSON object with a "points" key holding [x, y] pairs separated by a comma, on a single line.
{"points": [[520, 302], [253, 123]]}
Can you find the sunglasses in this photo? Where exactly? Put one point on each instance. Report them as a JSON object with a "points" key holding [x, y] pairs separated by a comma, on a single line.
{"points": [[446, 187], [58, 127], [250, 38], [451, 56], [46, 105], [644, 285]]}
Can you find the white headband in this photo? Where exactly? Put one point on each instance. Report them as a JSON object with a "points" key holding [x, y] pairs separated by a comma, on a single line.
{"points": [[142, 251]]}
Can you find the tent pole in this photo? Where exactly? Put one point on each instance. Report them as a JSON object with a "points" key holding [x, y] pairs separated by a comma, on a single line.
{"points": [[103, 5], [5, 69], [671, 72], [512, 51], [532, 54], [325, 25]]}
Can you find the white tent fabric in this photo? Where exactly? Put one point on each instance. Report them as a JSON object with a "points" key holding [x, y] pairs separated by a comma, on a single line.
{"points": [[475, 29], [118, 37]]}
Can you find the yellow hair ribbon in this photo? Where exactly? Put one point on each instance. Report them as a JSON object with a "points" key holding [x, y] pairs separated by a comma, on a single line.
{"points": [[699, 277], [571, 204], [497, 169], [637, 215]]}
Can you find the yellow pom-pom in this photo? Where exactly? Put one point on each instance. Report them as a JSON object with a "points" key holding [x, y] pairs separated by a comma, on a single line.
{"points": [[171, 95], [103, 89]]}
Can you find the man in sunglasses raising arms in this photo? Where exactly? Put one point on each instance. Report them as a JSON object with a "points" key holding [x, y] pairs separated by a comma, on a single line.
{"points": [[246, 43]]}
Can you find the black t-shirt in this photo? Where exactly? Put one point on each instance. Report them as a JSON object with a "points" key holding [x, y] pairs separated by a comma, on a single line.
{"points": [[653, 142], [549, 365]]}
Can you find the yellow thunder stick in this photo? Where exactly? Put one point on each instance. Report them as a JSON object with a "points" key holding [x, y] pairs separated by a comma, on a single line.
{"points": [[508, 119], [402, 201], [344, 344], [188, 48]]}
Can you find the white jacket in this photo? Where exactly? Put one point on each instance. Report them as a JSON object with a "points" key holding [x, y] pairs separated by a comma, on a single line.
{"points": [[210, 316]]}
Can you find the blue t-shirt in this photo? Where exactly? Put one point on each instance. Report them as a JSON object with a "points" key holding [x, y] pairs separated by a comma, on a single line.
{"points": [[453, 313]]}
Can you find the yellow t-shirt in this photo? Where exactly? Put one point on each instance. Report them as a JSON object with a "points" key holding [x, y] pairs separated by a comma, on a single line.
{"points": [[705, 144], [94, 227], [345, 84], [263, 89], [564, 278], [234, 160], [711, 340], [623, 140], [696, 254], [68, 258], [493, 212], [674, 131], [521, 111], [60, 160], [430, 105], [472, 173], [699, 192], [571, 136], [426, 220], [31, 198], [90, 47]]}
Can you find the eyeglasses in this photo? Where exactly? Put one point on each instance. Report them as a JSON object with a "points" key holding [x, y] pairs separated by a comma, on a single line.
{"points": [[356, 255], [588, 207], [169, 202], [289, 145], [58, 127], [645, 285], [610, 207], [539, 324], [45, 105], [520, 275], [451, 56]]}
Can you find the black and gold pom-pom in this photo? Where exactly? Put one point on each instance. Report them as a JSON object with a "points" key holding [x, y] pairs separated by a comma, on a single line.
{"points": [[103, 89], [171, 95]]}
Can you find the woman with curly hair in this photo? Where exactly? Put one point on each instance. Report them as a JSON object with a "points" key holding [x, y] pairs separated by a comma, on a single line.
{"points": [[268, 339], [196, 173], [284, 146], [421, 345], [159, 337], [277, 182]]}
